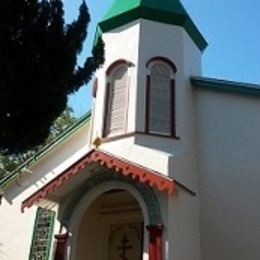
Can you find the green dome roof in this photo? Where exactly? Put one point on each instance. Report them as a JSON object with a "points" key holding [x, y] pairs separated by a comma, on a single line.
{"points": [[164, 11]]}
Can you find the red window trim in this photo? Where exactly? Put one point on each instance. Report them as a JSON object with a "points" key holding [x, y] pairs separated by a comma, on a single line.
{"points": [[164, 60], [104, 132], [130, 134], [117, 63], [148, 92], [173, 120], [95, 88]]}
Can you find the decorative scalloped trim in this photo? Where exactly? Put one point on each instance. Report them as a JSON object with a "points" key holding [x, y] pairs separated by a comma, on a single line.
{"points": [[120, 166]]}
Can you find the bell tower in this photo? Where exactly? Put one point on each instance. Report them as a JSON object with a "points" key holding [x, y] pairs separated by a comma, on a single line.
{"points": [[143, 106], [143, 97]]}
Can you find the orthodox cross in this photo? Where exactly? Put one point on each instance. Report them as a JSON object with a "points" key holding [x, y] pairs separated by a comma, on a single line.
{"points": [[124, 247]]}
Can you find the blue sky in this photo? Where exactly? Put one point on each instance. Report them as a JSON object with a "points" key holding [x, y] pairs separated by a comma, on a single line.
{"points": [[231, 28]]}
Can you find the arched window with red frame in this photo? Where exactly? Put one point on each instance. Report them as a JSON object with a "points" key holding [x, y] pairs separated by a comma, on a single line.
{"points": [[115, 121], [160, 97]]}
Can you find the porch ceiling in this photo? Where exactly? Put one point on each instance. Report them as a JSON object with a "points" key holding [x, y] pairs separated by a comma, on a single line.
{"points": [[87, 165]]}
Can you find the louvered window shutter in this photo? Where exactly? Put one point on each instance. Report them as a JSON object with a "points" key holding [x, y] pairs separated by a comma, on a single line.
{"points": [[117, 101], [160, 100]]}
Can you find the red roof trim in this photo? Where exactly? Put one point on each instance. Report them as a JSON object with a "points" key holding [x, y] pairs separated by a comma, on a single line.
{"points": [[121, 166]]}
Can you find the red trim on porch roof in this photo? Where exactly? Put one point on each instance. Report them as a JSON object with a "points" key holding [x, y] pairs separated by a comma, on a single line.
{"points": [[121, 166]]}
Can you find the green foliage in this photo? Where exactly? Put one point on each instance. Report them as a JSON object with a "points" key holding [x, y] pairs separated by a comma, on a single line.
{"points": [[9, 163], [38, 61]]}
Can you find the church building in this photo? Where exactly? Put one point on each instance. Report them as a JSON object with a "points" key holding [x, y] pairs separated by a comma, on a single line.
{"points": [[166, 165]]}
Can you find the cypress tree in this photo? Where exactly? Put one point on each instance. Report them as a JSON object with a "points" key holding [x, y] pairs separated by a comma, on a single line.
{"points": [[38, 68]]}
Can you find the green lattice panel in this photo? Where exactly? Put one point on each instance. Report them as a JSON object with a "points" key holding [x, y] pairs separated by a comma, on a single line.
{"points": [[42, 234]]}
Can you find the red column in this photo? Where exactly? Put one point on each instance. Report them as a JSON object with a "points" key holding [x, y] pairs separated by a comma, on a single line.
{"points": [[61, 246], [155, 241]]}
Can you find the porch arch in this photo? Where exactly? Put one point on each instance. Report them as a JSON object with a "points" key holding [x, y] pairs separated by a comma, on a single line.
{"points": [[99, 182]]}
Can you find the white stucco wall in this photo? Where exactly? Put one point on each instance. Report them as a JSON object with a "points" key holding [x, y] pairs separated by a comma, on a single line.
{"points": [[228, 128], [16, 231], [182, 229]]}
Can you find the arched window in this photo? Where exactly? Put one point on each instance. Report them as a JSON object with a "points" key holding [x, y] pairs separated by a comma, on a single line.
{"points": [[160, 97], [116, 99]]}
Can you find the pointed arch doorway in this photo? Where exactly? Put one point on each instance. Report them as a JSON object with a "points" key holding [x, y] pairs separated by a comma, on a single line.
{"points": [[111, 228]]}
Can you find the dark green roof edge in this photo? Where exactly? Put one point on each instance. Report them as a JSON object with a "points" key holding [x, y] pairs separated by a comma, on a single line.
{"points": [[224, 85], [63, 136], [177, 19]]}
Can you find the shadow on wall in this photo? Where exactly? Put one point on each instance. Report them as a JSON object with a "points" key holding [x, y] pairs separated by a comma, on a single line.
{"points": [[167, 145], [1, 251]]}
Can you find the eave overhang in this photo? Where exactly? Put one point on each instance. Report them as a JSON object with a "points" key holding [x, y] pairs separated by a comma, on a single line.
{"points": [[109, 161], [225, 86], [169, 12], [42, 152]]}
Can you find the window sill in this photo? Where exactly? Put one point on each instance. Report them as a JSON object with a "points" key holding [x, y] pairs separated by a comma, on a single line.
{"points": [[160, 135], [130, 134]]}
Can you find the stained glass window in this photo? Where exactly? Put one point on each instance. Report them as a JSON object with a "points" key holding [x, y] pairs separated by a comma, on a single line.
{"points": [[42, 234]]}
